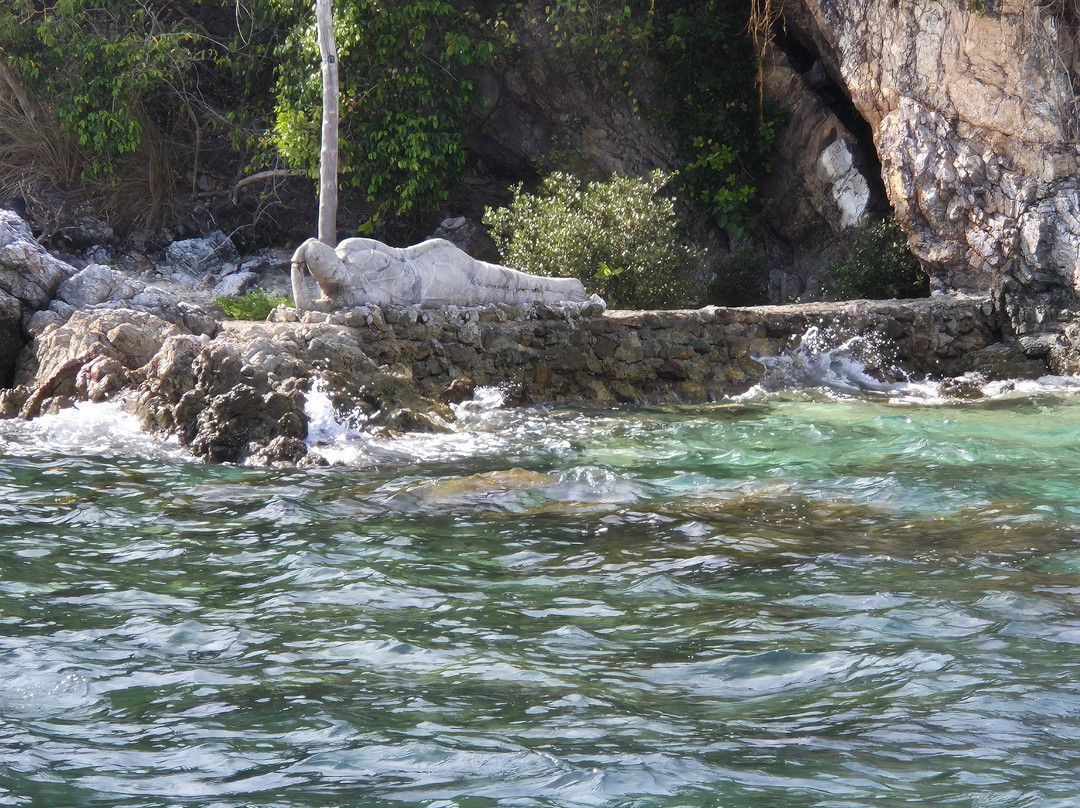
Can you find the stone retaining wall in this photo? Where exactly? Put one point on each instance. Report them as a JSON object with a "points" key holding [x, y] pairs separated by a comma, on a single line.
{"points": [[658, 356]]}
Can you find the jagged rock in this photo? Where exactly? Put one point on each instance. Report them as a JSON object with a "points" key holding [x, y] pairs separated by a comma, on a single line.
{"points": [[27, 272], [236, 284], [199, 256], [97, 283], [100, 379], [128, 337], [28, 278], [817, 156], [973, 114]]}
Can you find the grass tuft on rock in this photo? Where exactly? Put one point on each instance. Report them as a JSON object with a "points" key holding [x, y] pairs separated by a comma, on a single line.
{"points": [[256, 304]]}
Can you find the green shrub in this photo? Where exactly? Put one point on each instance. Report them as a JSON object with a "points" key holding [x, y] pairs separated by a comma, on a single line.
{"points": [[255, 305], [879, 266], [739, 281], [620, 238]]}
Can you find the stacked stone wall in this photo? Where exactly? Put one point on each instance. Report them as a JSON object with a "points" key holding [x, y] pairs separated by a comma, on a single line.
{"points": [[544, 355]]}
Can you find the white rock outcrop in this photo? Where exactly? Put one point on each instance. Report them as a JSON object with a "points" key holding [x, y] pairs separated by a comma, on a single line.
{"points": [[974, 116]]}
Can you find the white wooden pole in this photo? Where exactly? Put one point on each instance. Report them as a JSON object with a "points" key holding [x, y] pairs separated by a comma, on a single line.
{"points": [[328, 156]]}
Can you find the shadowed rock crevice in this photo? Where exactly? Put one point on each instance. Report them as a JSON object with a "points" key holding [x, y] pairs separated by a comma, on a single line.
{"points": [[804, 58]]}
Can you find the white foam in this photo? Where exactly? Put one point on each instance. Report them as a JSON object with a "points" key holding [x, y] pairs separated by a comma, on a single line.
{"points": [[847, 367], [88, 428], [351, 439]]}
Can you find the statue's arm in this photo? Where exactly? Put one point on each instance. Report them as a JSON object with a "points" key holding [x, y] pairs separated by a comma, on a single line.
{"points": [[301, 298]]}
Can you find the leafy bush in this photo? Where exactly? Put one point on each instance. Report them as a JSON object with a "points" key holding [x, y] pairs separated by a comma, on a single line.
{"points": [[255, 305], [739, 281], [880, 266], [403, 96], [603, 31], [620, 238], [707, 58], [94, 65]]}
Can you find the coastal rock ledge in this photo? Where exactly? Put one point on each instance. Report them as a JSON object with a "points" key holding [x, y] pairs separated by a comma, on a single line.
{"points": [[237, 391]]}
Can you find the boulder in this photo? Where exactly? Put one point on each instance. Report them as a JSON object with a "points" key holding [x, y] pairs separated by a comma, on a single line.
{"points": [[28, 278], [97, 283], [236, 284], [199, 256]]}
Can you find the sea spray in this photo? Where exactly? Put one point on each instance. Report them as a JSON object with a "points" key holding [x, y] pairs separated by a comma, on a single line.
{"points": [[349, 439], [103, 428], [825, 359]]}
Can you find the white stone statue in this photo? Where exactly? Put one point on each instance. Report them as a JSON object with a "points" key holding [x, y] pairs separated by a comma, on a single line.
{"points": [[363, 271]]}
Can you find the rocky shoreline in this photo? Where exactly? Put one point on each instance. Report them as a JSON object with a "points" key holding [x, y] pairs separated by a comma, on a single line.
{"points": [[235, 391]]}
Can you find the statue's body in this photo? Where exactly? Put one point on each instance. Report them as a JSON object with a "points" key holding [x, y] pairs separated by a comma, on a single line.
{"points": [[362, 271]]}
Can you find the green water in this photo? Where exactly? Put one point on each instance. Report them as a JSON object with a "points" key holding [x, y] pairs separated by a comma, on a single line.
{"points": [[788, 602]]}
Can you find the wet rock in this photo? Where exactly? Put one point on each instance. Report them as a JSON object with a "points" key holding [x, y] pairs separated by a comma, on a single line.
{"points": [[1004, 361], [460, 389], [284, 450], [236, 424]]}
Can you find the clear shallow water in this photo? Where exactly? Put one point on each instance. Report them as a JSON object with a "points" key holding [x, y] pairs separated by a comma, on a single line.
{"points": [[790, 600]]}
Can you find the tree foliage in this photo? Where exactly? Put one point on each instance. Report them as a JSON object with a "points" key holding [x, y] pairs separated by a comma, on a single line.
{"points": [[94, 65], [112, 74], [404, 97]]}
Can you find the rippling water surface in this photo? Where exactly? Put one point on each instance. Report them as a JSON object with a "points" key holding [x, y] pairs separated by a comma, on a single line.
{"points": [[790, 600]]}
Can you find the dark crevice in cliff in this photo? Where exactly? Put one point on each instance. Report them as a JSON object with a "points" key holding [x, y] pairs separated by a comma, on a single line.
{"points": [[806, 61]]}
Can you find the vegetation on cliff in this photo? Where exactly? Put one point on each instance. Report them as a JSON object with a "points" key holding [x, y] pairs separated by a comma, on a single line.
{"points": [[94, 91], [133, 111]]}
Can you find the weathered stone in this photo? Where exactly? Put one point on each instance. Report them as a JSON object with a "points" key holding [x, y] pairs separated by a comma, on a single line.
{"points": [[27, 272], [236, 284], [973, 115], [818, 177], [202, 255]]}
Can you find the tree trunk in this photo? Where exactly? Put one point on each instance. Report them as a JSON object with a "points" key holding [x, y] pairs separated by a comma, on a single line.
{"points": [[328, 157]]}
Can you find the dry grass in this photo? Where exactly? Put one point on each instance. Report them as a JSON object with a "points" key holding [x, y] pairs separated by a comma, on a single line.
{"points": [[43, 164]]}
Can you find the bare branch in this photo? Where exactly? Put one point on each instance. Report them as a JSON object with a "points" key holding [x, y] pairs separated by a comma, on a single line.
{"points": [[261, 175]]}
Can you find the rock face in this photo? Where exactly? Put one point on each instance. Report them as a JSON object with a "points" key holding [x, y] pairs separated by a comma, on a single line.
{"points": [[974, 115], [28, 278], [822, 186]]}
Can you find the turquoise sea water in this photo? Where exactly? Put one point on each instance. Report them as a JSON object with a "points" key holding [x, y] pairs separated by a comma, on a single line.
{"points": [[797, 599]]}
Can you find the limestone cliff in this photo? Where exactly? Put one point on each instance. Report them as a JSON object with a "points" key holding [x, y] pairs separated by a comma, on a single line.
{"points": [[973, 110]]}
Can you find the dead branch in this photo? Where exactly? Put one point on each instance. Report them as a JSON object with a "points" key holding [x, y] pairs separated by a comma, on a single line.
{"points": [[262, 175]]}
